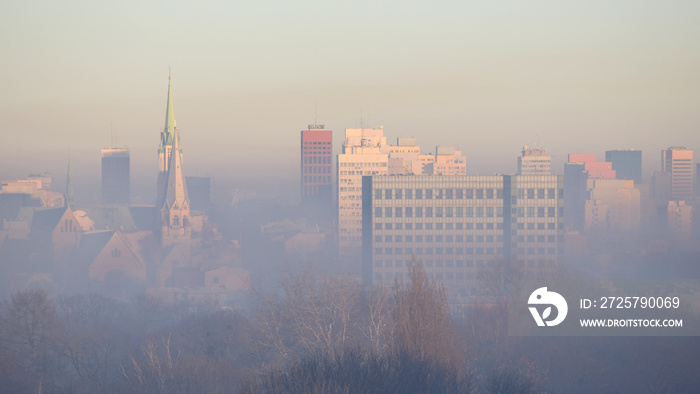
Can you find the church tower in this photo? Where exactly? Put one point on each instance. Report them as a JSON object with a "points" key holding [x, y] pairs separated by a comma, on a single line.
{"points": [[173, 202]]}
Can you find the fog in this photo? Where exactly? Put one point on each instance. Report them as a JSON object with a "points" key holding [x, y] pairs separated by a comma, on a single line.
{"points": [[298, 230]]}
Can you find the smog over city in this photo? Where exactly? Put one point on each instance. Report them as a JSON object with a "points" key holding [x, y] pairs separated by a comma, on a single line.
{"points": [[349, 197]]}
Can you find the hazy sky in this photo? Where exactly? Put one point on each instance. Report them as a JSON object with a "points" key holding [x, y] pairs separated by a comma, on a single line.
{"points": [[485, 76]]}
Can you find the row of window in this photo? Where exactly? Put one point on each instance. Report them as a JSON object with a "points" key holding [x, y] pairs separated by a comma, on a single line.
{"points": [[317, 160], [462, 251], [317, 170], [462, 194], [463, 226], [317, 179], [462, 212], [316, 143]]}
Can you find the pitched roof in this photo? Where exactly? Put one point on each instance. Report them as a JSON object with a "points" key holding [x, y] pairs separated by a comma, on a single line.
{"points": [[47, 219]]}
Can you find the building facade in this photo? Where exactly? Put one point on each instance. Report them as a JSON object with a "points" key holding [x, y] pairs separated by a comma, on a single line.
{"points": [[364, 152], [534, 161], [678, 163], [316, 165], [626, 163], [458, 226], [116, 176]]}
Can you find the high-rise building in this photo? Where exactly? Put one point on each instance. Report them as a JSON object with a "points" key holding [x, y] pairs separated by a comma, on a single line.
{"points": [[613, 208], [116, 178], [364, 152], [678, 163], [626, 163], [534, 161], [173, 202], [459, 226], [316, 164]]}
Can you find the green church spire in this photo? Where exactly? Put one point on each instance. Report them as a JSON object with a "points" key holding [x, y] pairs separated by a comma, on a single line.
{"points": [[169, 129]]}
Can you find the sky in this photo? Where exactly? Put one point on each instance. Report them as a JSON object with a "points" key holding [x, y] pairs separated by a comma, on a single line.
{"points": [[248, 76]]}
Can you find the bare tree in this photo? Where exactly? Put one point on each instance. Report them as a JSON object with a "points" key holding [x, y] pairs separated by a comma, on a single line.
{"points": [[27, 333], [422, 325]]}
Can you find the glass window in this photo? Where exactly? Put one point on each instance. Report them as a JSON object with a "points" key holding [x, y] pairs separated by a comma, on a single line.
{"points": [[449, 212], [521, 193], [398, 212], [499, 194], [540, 194], [409, 226], [387, 194], [387, 238], [499, 212], [409, 194], [540, 212], [438, 194], [397, 194], [419, 194], [428, 212], [438, 238], [489, 212], [480, 212], [438, 212], [428, 226], [428, 194], [387, 212], [551, 212], [470, 194], [460, 194], [531, 212], [530, 194], [377, 226], [387, 226], [409, 212], [561, 212], [479, 194], [460, 212], [449, 194], [419, 212], [551, 193], [378, 212], [438, 226], [489, 194]]}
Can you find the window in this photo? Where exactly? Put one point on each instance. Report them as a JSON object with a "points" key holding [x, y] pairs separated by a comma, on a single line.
{"points": [[419, 194], [409, 194], [479, 194], [540, 193], [428, 212], [398, 212], [460, 194], [438, 212], [378, 212], [551, 193], [419, 212], [428, 194], [397, 194], [540, 212], [449, 212], [530, 194], [551, 212], [470, 194], [438, 194], [387, 194], [409, 212], [460, 212], [489, 194], [387, 212], [378, 194], [449, 194]]}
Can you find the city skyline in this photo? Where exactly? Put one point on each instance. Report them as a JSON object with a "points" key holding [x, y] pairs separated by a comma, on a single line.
{"points": [[487, 79]]}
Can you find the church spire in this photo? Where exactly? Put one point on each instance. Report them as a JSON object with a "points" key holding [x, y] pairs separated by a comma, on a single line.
{"points": [[169, 129], [69, 195]]}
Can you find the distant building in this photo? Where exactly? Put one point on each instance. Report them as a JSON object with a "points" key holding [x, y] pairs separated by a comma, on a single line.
{"points": [[365, 152], [459, 226], [679, 221], [613, 208], [595, 169], [678, 163], [316, 166], [116, 178], [626, 163], [534, 161]]}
